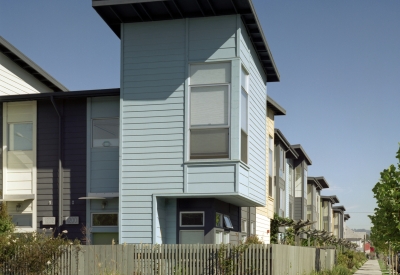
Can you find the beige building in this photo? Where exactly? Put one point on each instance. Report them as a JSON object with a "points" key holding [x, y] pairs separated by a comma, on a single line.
{"points": [[265, 214]]}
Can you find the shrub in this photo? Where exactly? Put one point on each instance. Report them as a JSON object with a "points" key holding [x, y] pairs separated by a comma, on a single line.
{"points": [[6, 224], [32, 253], [253, 239]]}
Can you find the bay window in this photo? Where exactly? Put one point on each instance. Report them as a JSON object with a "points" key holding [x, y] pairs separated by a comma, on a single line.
{"points": [[209, 110]]}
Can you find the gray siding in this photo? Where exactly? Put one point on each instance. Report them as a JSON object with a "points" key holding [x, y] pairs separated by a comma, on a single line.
{"points": [[152, 110], [298, 208], [47, 162]]}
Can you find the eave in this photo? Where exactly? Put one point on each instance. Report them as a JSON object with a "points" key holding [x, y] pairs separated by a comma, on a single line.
{"points": [[115, 12]]}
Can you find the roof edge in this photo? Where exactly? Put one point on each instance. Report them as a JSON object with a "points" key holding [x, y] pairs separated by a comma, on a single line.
{"points": [[278, 109], [299, 149]]}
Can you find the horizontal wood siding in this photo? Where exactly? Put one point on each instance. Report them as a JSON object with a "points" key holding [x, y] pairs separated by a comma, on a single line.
{"points": [[298, 208], [14, 80], [47, 162], [256, 119], [211, 179], [152, 116], [1, 151], [212, 38], [74, 155], [243, 181]]}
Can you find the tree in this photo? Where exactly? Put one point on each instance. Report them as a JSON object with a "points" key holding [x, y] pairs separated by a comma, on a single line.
{"points": [[6, 224], [386, 218]]}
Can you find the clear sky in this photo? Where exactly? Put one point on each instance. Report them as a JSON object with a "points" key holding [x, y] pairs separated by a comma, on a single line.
{"points": [[339, 63]]}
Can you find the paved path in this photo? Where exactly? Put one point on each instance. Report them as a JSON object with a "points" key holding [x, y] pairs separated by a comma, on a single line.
{"points": [[371, 267]]}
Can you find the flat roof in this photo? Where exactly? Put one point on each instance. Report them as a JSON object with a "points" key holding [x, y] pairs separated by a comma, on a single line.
{"points": [[290, 153], [302, 153], [339, 208], [312, 180], [278, 109], [322, 181], [31, 67], [333, 199], [115, 12], [71, 94]]}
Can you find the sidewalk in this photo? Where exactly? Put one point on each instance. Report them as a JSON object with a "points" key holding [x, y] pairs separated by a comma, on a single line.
{"points": [[371, 267]]}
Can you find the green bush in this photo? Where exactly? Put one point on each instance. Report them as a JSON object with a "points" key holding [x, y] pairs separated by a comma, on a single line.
{"points": [[32, 253], [337, 270], [6, 224]]}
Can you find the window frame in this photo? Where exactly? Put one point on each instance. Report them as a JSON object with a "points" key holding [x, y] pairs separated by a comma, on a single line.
{"points": [[190, 127], [246, 90], [191, 212], [103, 213], [230, 221], [221, 225], [92, 136], [243, 226]]}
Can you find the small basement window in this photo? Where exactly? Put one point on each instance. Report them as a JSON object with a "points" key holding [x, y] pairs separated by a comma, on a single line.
{"points": [[191, 219], [109, 219], [227, 222]]}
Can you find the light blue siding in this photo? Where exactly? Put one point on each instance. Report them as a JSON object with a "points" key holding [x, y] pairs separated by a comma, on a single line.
{"points": [[257, 119], [243, 181], [152, 124], [211, 179]]}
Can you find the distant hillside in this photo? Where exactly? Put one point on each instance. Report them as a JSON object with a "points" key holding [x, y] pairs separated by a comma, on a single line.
{"points": [[363, 230]]}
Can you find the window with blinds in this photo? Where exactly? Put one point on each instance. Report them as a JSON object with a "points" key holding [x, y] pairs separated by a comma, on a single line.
{"points": [[244, 116], [209, 110]]}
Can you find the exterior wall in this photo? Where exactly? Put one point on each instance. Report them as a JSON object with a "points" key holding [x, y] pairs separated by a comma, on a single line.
{"points": [[15, 80], [74, 165], [47, 163], [263, 227], [102, 174], [19, 167], [154, 119]]}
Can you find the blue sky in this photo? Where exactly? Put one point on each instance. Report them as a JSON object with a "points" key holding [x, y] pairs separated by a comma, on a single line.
{"points": [[339, 63]]}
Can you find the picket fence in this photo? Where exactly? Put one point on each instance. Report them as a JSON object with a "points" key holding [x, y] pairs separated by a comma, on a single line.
{"points": [[190, 259]]}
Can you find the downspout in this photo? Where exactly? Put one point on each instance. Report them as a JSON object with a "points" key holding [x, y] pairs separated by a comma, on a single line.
{"points": [[60, 166]]}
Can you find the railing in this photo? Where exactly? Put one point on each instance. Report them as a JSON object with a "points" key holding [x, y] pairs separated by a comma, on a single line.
{"points": [[184, 260]]}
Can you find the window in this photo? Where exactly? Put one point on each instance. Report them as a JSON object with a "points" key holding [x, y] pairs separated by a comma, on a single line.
{"points": [[218, 220], [309, 194], [305, 184], [291, 193], [282, 202], [244, 226], [281, 162], [209, 110], [244, 116], [298, 181], [270, 169], [227, 222], [109, 219], [22, 220], [21, 137], [252, 228], [105, 132], [192, 219]]}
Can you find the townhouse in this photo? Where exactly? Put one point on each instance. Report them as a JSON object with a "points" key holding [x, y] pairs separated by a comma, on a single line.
{"points": [[314, 187]]}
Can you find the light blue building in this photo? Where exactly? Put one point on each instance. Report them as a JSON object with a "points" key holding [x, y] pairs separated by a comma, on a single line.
{"points": [[192, 118]]}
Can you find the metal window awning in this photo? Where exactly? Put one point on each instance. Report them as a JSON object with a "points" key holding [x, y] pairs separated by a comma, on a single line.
{"points": [[18, 197], [100, 196]]}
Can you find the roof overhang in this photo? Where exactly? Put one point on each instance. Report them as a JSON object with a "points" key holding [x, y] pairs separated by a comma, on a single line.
{"points": [[21, 197], [332, 199], [73, 94], [322, 181], [302, 153], [31, 67], [335, 198], [314, 181], [290, 152], [115, 12], [346, 217], [278, 109], [339, 208]]}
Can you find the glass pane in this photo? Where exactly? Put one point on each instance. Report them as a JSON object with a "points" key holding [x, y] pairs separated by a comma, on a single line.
{"points": [[210, 73], [227, 222], [243, 147], [20, 137], [209, 143], [209, 105], [192, 219], [105, 220], [243, 111], [298, 182], [305, 184], [105, 132], [218, 237], [244, 226], [244, 80], [22, 220], [218, 220]]}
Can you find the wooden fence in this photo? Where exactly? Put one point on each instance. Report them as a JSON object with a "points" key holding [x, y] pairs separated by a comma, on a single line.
{"points": [[188, 260]]}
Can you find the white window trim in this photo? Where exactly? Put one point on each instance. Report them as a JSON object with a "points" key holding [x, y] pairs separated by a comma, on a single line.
{"points": [[188, 123], [102, 213], [244, 230], [91, 131], [190, 212]]}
